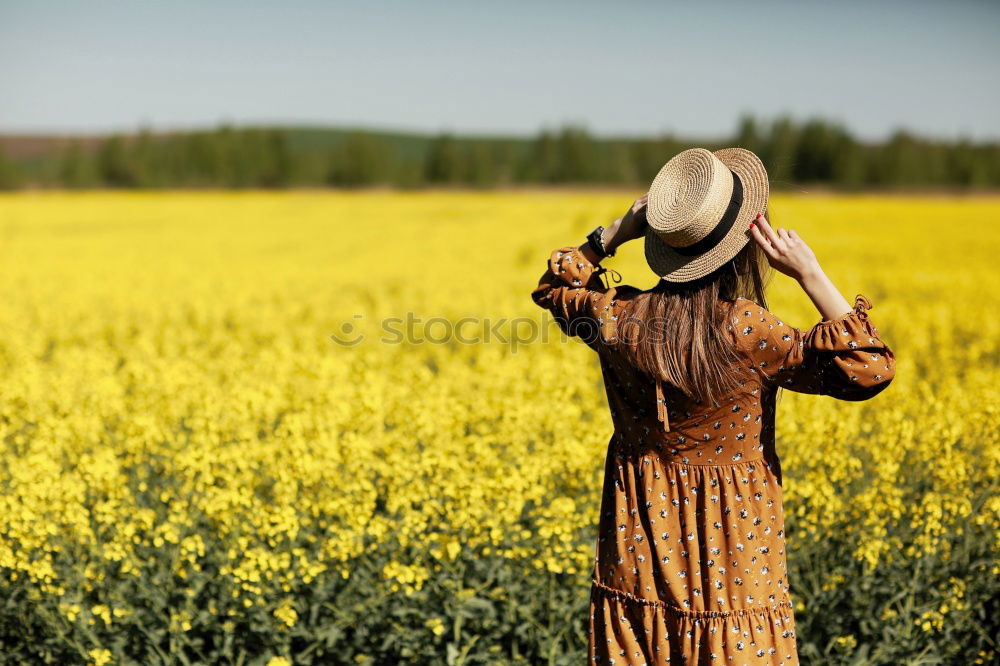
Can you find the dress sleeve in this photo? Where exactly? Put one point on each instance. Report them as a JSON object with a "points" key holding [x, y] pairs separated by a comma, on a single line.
{"points": [[843, 357], [572, 291]]}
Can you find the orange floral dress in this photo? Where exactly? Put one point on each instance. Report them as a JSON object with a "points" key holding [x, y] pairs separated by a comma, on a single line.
{"points": [[690, 554]]}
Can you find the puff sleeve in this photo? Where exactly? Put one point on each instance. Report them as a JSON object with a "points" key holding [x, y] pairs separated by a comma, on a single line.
{"points": [[844, 357], [572, 291]]}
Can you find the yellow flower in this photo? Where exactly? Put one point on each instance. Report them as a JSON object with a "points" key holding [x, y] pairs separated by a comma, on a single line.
{"points": [[101, 611], [435, 625], [848, 642], [71, 611], [170, 408], [278, 661], [100, 656], [406, 577], [286, 613]]}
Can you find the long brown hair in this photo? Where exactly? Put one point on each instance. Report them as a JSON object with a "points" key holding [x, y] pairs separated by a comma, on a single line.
{"points": [[676, 331]]}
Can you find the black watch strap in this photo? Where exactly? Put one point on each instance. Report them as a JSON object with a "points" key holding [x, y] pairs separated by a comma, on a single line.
{"points": [[596, 240]]}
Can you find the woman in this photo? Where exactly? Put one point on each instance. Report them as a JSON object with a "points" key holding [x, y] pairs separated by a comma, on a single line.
{"points": [[691, 564]]}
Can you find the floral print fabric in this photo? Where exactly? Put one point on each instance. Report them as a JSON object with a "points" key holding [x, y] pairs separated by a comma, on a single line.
{"points": [[690, 555]]}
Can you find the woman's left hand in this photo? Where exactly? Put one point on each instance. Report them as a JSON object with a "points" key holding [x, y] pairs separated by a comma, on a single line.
{"points": [[630, 226]]}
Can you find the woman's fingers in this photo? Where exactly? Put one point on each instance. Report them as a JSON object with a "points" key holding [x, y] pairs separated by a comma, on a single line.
{"points": [[766, 229], [761, 240], [776, 241], [785, 249], [758, 235]]}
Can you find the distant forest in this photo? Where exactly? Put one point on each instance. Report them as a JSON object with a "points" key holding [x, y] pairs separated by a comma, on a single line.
{"points": [[795, 153]]}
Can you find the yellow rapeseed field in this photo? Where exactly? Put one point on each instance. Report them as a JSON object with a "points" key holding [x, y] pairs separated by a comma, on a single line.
{"points": [[290, 426]]}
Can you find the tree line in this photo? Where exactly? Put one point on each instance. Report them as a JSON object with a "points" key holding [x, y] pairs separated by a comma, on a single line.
{"points": [[811, 152]]}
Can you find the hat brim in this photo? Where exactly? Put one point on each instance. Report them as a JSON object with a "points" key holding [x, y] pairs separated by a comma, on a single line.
{"points": [[675, 267]]}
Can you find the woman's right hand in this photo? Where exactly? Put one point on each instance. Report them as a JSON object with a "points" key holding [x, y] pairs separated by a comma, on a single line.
{"points": [[785, 250], [630, 226], [789, 254]]}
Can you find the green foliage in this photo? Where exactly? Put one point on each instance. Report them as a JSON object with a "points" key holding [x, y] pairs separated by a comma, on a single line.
{"points": [[9, 176], [482, 609], [444, 161], [363, 160], [227, 157], [893, 613], [813, 152], [76, 170], [116, 165]]}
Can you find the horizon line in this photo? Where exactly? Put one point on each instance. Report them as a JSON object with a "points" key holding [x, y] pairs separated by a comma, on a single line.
{"points": [[65, 132]]}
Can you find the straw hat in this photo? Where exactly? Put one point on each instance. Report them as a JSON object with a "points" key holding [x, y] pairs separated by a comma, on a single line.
{"points": [[699, 211]]}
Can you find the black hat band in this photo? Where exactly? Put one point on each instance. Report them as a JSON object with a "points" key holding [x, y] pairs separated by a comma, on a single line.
{"points": [[722, 228]]}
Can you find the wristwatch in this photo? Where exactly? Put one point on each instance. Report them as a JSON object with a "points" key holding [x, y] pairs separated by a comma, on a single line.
{"points": [[596, 240]]}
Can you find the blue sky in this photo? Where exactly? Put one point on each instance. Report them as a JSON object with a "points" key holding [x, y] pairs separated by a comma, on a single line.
{"points": [[502, 67]]}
